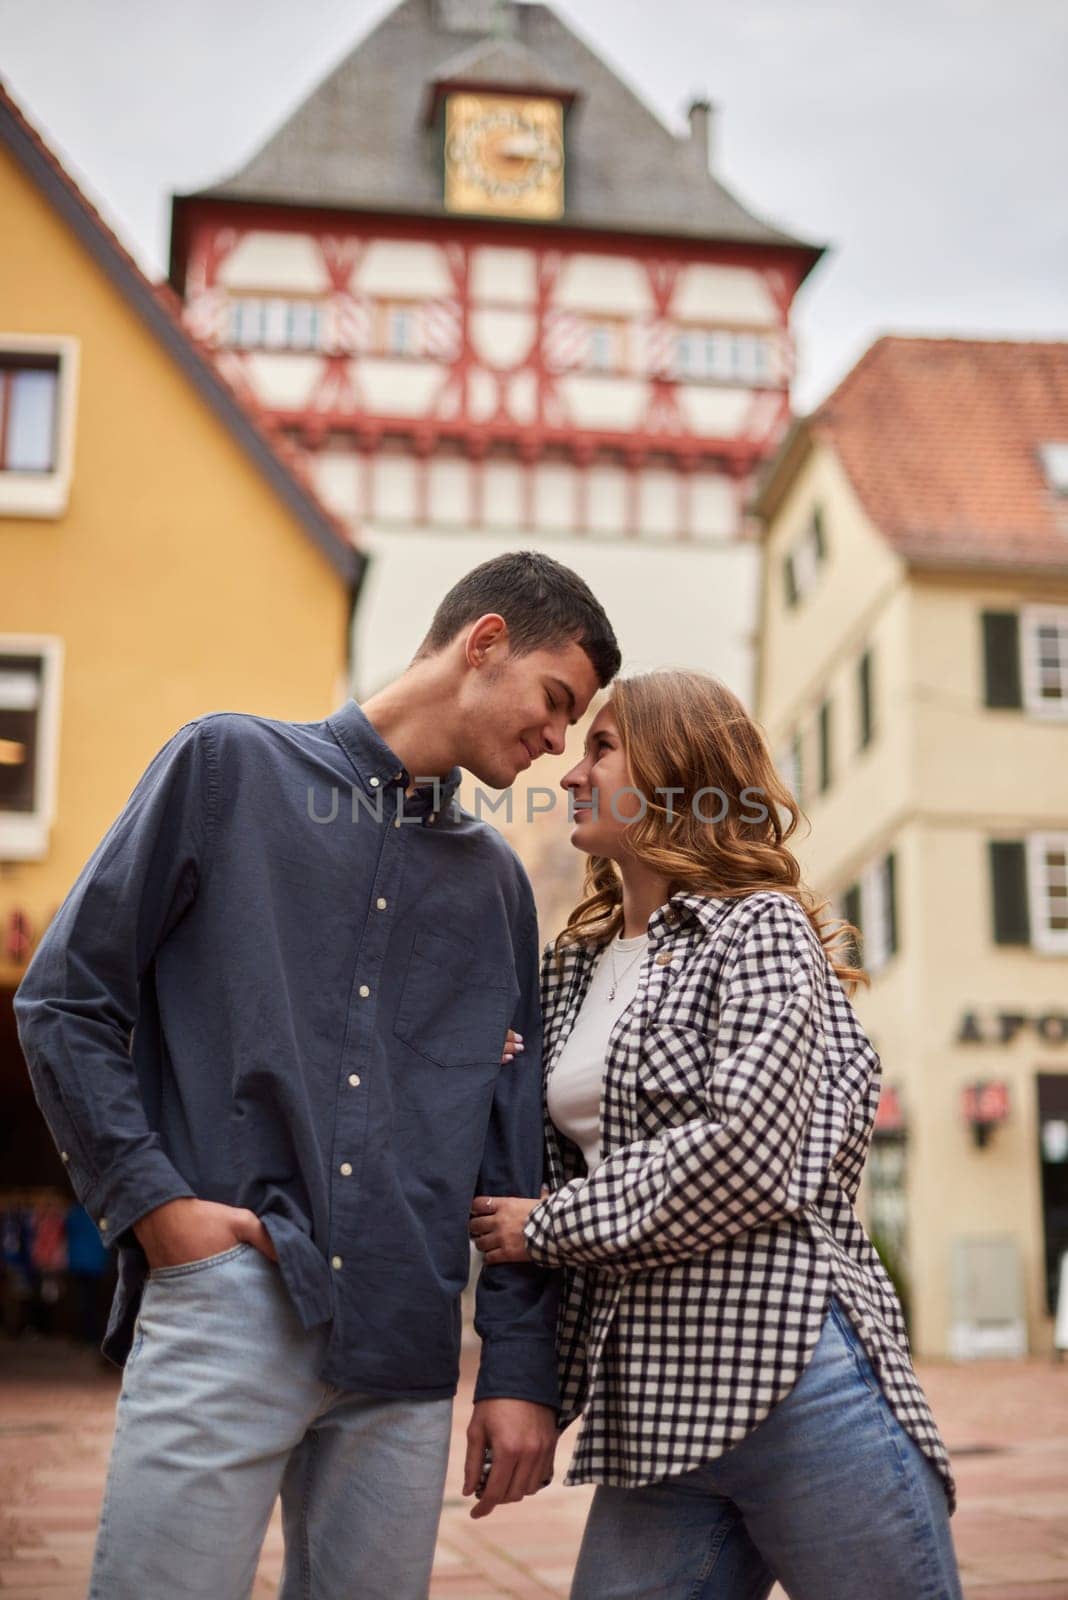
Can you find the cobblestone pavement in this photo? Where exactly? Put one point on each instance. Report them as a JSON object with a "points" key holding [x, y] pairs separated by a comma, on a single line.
{"points": [[1006, 1425]]}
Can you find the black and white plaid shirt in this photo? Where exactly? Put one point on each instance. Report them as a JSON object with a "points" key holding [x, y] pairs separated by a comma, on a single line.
{"points": [[737, 1105]]}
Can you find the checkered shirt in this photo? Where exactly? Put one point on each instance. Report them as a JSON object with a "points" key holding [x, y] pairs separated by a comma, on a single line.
{"points": [[737, 1106]]}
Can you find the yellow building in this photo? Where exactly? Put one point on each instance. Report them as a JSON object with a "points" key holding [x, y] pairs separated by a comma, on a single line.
{"points": [[914, 680], [159, 558]]}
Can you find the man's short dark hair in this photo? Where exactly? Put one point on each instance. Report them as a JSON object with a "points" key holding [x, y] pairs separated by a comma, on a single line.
{"points": [[544, 603]]}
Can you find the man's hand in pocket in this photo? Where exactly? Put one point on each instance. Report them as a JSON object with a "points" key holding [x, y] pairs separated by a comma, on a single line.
{"points": [[190, 1230]]}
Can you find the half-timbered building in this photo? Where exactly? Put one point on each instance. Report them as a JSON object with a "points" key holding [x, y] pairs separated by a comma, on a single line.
{"points": [[501, 305]]}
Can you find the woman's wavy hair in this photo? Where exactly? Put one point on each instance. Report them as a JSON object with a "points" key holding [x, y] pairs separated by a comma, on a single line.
{"points": [[684, 732]]}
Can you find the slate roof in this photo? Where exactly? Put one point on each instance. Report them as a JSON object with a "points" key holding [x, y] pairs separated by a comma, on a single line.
{"points": [[942, 442], [360, 140], [159, 307]]}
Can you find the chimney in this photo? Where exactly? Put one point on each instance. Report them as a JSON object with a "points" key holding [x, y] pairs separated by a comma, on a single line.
{"points": [[701, 114]]}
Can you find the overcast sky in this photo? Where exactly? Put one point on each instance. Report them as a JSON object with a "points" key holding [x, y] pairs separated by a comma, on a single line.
{"points": [[925, 141]]}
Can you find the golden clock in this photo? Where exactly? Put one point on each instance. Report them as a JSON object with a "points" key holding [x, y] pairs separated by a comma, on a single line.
{"points": [[504, 154]]}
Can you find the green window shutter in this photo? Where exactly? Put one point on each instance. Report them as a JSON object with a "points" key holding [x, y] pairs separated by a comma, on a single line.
{"points": [[865, 703], [1008, 887], [790, 581], [819, 538], [826, 775], [797, 752], [890, 889], [851, 912], [1001, 659]]}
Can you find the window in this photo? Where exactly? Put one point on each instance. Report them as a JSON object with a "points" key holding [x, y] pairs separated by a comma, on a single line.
{"points": [[1047, 860], [722, 356], [1044, 664], [823, 725], [865, 701], [400, 335], [37, 389], [791, 765], [29, 717], [29, 392], [273, 324], [602, 349], [1029, 891], [871, 905], [1025, 660], [247, 323], [802, 565]]}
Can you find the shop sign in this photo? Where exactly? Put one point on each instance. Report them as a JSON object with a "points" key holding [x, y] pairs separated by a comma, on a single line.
{"points": [[1002, 1027]]}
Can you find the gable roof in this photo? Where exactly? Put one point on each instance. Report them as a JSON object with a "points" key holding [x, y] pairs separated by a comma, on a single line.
{"points": [[359, 141], [160, 309], [942, 440]]}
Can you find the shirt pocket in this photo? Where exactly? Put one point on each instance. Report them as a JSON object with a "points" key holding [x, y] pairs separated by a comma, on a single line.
{"points": [[671, 1085], [454, 1008]]}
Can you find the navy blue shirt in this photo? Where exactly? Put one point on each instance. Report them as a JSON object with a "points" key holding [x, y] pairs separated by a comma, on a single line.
{"points": [[282, 983]]}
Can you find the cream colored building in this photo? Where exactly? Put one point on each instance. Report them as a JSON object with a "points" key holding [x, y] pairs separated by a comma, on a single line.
{"points": [[913, 677]]}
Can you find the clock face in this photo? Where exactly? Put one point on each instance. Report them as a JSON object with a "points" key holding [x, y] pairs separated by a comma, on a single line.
{"points": [[505, 155]]}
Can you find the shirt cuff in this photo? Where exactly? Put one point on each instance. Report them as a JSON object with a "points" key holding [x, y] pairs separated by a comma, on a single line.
{"points": [[519, 1369], [538, 1233], [121, 1198]]}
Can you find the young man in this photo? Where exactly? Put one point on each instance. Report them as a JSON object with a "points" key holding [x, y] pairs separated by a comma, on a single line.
{"points": [[266, 1030]]}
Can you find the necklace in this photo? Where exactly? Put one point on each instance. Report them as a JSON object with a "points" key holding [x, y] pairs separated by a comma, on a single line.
{"points": [[617, 977]]}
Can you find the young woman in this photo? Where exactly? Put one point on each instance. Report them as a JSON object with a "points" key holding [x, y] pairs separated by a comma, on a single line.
{"points": [[750, 1409]]}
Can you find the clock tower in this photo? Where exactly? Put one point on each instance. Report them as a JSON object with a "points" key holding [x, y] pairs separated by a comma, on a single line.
{"points": [[504, 155]]}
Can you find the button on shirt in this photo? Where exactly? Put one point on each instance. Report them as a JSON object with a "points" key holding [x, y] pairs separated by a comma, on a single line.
{"points": [[275, 985]]}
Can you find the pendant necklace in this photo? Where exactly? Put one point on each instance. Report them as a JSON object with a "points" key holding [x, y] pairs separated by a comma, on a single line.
{"points": [[618, 976]]}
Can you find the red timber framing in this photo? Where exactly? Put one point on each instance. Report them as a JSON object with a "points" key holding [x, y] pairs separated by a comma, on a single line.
{"points": [[205, 231]]}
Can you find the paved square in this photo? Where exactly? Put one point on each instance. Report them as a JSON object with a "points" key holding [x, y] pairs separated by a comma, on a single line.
{"points": [[1006, 1424]]}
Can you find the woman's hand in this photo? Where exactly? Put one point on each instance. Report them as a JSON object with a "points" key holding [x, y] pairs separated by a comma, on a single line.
{"points": [[513, 1046], [496, 1226]]}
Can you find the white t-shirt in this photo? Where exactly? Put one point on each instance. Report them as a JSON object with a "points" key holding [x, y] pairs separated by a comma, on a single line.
{"points": [[573, 1092]]}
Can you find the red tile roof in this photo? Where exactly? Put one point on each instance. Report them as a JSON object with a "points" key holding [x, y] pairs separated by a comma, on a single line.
{"points": [[941, 440]]}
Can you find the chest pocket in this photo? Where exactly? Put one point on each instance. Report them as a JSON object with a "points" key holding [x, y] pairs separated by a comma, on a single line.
{"points": [[454, 1008], [670, 1086]]}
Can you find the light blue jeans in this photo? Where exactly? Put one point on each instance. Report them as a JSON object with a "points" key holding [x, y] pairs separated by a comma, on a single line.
{"points": [[220, 1411], [829, 1496]]}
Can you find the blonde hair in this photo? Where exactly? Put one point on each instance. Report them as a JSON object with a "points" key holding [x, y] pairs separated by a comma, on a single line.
{"points": [[686, 731]]}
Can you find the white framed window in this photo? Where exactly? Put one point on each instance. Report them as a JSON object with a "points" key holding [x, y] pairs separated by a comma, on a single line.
{"points": [[791, 765], [603, 350], [304, 329], [1044, 660], [718, 355], [261, 323], [871, 905], [402, 331], [804, 559], [246, 323], [30, 673], [1047, 882], [38, 390]]}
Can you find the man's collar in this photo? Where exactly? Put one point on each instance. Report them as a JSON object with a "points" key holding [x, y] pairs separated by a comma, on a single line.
{"points": [[379, 767]]}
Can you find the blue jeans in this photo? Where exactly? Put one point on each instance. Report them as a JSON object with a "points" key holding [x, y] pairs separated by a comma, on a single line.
{"points": [[829, 1496], [220, 1411]]}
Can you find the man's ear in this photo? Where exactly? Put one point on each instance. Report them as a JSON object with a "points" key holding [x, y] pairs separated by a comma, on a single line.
{"points": [[487, 639]]}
